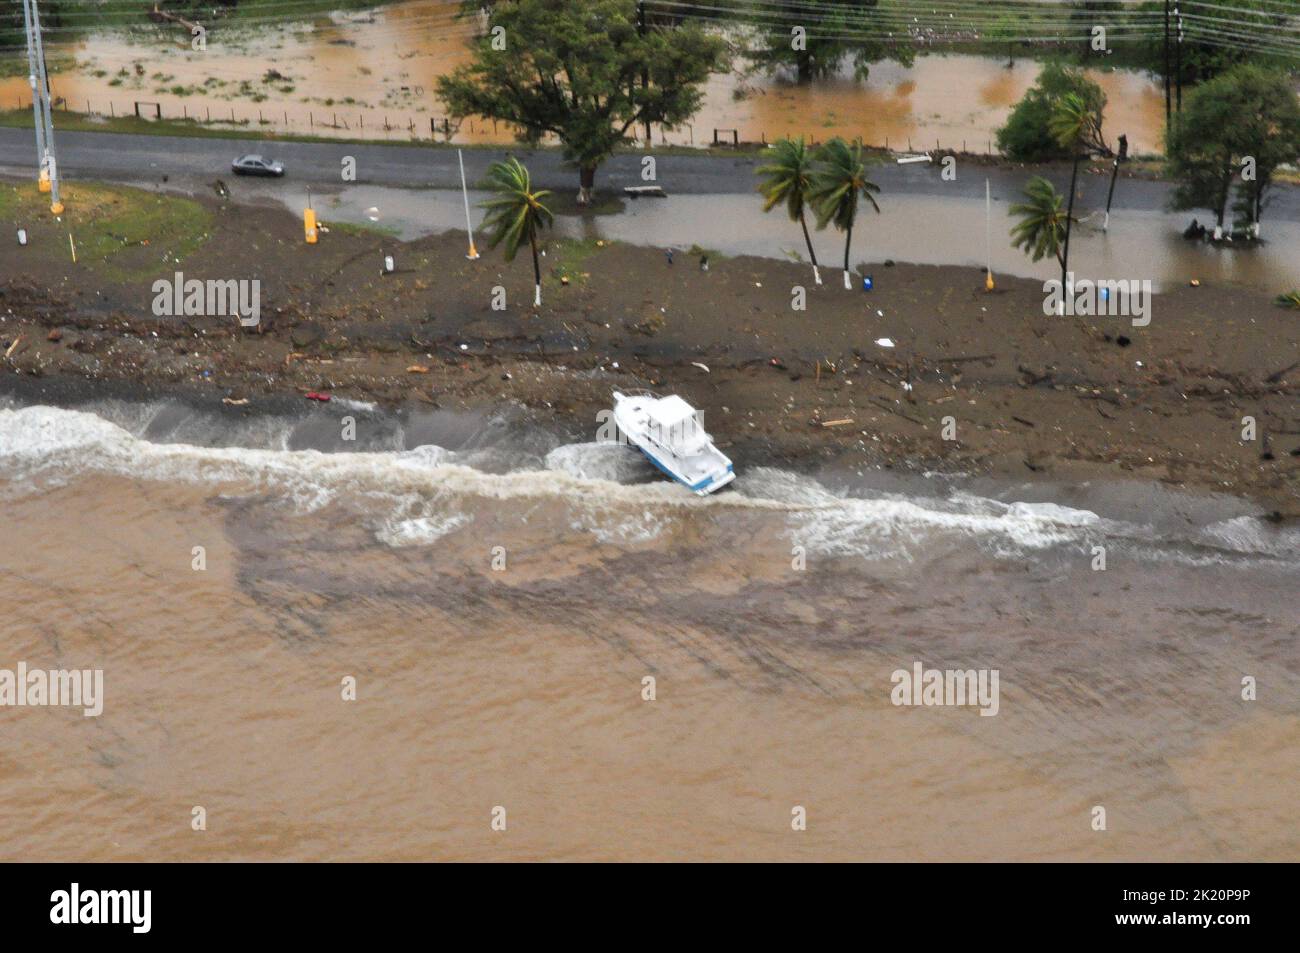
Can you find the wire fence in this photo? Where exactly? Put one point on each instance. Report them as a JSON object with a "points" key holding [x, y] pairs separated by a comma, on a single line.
{"points": [[381, 126]]}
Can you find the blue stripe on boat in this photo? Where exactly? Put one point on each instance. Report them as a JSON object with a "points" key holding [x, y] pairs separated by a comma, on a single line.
{"points": [[676, 479]]}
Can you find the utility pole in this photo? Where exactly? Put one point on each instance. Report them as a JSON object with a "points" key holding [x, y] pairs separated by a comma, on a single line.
{"points": [[40, 83], [1178, 69], [645, 75], [1168, 107], [38, 101]]}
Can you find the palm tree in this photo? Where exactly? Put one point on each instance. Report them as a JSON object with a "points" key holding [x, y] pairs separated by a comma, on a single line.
{"points": [[1076, 125], [839, 180], [1043, 223], [788, 179], [516, 213]]}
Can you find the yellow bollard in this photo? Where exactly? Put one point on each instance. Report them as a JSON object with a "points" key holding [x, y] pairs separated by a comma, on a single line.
{"points": [[43, 183], [988, 281], [309, 225], [56, 208]]}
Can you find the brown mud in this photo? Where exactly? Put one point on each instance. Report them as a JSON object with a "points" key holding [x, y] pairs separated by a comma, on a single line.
{"points": [[1028, 394]]}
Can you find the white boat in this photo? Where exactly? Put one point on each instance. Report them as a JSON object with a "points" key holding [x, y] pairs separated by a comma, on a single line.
{"points": [[669, 431]]}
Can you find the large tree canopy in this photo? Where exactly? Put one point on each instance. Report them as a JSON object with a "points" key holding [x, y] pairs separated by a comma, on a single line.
{"points": [[574, 69], [1027, 136], [1238, 127]]}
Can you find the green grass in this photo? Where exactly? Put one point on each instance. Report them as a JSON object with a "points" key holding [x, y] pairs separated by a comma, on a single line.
{"points": [[109, 223], [360, 228], [568, 257]]}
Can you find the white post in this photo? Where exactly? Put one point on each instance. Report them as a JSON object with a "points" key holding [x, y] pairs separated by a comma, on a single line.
{"points": [[469, 228], [988, 236], [38, 101], [55, 205]]}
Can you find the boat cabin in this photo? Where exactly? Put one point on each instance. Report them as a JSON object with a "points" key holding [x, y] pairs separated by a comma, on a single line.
{"points": [[675, 426]]}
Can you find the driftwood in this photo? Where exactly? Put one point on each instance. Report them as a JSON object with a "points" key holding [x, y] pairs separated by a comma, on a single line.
{"points": [[164, 16]]}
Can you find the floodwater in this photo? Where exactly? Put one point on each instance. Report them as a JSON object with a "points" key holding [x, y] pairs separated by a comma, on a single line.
{"points": [[1139, 244], [523, 687], [373, 75]]}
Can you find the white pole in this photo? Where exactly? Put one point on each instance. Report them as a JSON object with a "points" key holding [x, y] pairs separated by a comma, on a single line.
{"points": [[56, 206], [469, 228], [38, 101], [988, 236]]}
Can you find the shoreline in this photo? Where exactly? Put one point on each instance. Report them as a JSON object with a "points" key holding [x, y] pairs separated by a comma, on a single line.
{"points": [[1024, 396]]}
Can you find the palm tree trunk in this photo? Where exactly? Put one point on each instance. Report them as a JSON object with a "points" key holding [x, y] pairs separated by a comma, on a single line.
{"points": [[848, 238], [1069, 218], [537, 273], [811, 254]]}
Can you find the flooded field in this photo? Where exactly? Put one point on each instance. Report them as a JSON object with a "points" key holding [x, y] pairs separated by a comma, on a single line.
{"points": [[373, 75]]}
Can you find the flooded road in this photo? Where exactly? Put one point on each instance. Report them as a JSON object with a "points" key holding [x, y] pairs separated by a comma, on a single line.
{"points": [[1140, 244], [373, 76]]}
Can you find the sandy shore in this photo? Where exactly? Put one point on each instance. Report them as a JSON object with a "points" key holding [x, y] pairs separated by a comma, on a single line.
{"points": [[1026, 393]]}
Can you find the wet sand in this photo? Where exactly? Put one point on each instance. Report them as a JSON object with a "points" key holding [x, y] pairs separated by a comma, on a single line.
{"points": [[1027, 394]]}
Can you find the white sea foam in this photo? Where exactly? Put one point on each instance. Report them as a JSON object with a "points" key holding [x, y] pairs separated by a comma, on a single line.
{"points": [[420, 495]]}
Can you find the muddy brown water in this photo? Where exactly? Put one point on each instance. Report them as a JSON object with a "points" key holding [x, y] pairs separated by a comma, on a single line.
{"points": [[352, 74], [522, 688]]}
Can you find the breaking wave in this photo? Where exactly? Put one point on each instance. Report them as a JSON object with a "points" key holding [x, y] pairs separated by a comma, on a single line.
{"points": [[416, 496]]}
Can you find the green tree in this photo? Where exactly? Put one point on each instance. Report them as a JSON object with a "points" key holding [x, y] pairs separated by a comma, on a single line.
{"points": [[574, 69], [1241, 125], [815, 38], [1075, 124], [1042, 225], [515, 214], [1265, 134], [839, 180], [787, 179], [1026, 137]]}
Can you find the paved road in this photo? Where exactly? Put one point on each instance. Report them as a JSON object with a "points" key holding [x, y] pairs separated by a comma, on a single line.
{"points": [[123, 157]]}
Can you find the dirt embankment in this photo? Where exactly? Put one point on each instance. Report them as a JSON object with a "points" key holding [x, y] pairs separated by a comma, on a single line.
{"points": [[1017, 392]]}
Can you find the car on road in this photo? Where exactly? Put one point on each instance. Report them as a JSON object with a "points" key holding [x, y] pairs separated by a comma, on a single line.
{"points": [[257, 165]]}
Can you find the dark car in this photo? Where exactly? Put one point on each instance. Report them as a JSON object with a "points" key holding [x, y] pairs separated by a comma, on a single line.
{"points": [[257, 165]]}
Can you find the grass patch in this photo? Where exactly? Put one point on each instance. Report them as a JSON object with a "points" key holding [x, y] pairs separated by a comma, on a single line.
{"points": [[122, 231], [362, 228], [568, 256]]}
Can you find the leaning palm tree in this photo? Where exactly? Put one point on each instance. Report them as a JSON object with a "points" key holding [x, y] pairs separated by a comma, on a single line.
{"points": [[787, 179], [839, 180], [1075, 123], [516, 213], [1043, 223]]}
